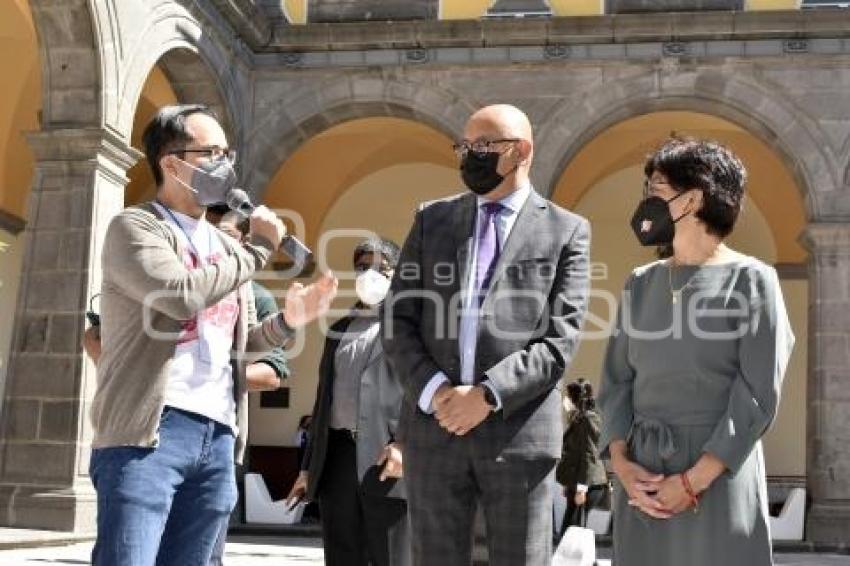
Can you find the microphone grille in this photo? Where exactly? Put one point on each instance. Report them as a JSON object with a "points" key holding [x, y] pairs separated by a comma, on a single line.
{"points": [[239, 201]]}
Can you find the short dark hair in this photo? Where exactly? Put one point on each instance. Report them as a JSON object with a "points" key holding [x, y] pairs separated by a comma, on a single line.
{"points": [[387, 248], [167, 132], [709, 167], [580, 393]]}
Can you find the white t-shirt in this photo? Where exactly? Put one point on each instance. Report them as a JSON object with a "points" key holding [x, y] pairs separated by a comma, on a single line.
{"points": [[200, 375]]}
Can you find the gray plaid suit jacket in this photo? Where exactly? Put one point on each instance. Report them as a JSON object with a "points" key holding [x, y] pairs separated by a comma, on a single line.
{"points": [[529, 324]]}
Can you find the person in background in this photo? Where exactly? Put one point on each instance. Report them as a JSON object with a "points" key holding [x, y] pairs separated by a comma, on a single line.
{"points": [[693, 372], [353, 463], [581, 471]]}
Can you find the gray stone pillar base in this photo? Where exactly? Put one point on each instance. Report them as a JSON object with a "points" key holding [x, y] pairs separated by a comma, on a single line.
{"points": [[70, 509], [828, 522]]}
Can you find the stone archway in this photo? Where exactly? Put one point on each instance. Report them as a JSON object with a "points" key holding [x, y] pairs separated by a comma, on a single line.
{"points": [[752, 106], [291, 123]]}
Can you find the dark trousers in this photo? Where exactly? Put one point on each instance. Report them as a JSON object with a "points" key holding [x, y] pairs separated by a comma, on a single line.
{"points": [[597, 496], [357, 529], [446, 486]]}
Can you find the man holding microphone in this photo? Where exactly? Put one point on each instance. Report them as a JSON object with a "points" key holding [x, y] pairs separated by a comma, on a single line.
{"points": [[170, 412]]}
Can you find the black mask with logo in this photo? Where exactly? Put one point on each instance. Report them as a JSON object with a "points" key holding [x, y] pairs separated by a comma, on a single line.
{"points": [[480, 171], [652, 222]]}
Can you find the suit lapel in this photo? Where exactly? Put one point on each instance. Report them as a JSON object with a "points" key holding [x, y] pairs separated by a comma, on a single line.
{"points": [[521, 236], [463, 228]]}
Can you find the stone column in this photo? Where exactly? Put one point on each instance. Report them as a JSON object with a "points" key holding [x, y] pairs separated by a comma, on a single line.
{"points": [[828, 414], [78, 187]]}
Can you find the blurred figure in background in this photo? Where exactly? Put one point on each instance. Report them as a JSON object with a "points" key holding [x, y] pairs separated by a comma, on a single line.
{"points": [[581, 471]]}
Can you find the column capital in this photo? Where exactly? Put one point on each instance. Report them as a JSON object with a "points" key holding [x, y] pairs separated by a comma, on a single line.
{"points": [[827, 237], [82, 144]]}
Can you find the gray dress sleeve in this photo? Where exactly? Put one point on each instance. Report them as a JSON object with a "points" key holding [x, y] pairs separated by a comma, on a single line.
{"points": [[763, 352], [615, 391]]}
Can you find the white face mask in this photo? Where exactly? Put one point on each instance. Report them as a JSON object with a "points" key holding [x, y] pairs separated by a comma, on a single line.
{"points": [[371, 287]]}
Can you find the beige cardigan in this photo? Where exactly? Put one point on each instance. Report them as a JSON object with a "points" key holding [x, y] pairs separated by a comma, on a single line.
{"points": [[146, 293]]}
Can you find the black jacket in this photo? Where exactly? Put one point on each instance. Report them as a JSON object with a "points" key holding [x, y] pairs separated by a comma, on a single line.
{"points": [[580, 462]]}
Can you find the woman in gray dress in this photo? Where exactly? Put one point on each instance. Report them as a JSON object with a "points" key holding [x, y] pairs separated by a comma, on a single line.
{"points": [[693, 373]]}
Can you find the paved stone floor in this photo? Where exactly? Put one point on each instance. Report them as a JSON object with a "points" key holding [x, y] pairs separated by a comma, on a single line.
{"points": [[277, 551]]}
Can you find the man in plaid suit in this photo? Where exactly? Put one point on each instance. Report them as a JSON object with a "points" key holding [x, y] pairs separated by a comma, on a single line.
{"points": [[483, 319]]}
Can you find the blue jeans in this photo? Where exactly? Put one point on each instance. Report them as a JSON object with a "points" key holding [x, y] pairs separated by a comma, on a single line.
{"points": [[164, 505]]}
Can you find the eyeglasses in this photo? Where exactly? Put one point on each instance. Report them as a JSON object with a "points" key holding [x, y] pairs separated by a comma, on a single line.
{"points": [[213, 153], [479, 146], [648, 186]]}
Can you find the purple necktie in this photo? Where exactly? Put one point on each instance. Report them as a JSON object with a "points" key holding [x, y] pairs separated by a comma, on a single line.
{"points": [[488, 247]]}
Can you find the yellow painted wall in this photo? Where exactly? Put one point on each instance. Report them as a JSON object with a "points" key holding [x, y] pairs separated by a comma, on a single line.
{"points": [[772, 5], [295, 10], [305, 183], [463, 9], [577, 7], [20, 102]]}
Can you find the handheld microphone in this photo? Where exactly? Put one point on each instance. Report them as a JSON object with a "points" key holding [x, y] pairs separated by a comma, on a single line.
{"points": [[239, 201]]}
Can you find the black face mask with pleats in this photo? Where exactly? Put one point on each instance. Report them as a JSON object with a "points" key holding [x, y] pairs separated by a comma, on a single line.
{"points": [[479, 171], [652, 222]]}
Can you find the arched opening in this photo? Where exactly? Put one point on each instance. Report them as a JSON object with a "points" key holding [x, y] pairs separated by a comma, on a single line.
{"points": [[180, 76], [156, 93], [20, 106], [363, 175], [602, 182]]}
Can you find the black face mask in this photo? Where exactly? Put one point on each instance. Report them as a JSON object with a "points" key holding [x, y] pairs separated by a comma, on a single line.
{"points": [[479, 173], [652, 222]]}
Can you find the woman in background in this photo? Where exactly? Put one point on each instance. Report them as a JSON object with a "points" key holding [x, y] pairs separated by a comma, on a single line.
{"points": [[580, 470]]}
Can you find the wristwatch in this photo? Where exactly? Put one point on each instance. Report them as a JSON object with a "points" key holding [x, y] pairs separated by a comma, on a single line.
{"points": [[490, 397]]}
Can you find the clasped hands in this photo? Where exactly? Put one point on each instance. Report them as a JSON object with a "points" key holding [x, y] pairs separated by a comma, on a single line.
{"points": [[460, 409], [657, 495]]}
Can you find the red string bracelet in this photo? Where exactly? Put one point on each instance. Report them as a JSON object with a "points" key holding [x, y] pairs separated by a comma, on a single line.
{"points": [[690, 491]]}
